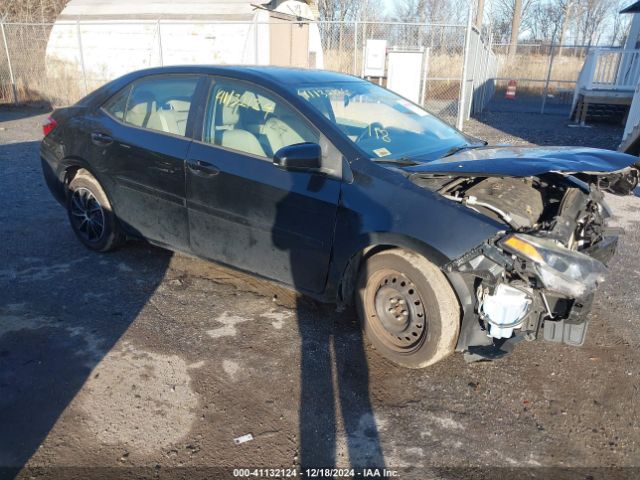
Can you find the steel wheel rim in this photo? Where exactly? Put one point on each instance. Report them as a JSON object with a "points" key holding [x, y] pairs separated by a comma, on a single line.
{"points": [[87, 215], [400, 319]]}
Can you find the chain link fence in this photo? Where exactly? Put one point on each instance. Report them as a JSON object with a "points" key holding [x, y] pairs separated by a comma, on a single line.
{"points": [[545, 75], [61, 62]]}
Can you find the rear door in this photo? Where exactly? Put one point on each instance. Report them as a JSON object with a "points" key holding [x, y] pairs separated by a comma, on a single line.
{"points": [[243, 210], [142, 143]]}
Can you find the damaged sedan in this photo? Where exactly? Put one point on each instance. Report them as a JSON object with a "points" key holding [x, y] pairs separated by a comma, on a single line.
{"points": [[348, 193]]}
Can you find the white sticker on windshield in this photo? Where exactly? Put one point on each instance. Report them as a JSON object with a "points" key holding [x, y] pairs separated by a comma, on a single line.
{"points": [[410, 106], [382, 152]]}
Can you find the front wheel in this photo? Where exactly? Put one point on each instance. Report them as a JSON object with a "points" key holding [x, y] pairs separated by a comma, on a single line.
{"points": [[409, 311]]}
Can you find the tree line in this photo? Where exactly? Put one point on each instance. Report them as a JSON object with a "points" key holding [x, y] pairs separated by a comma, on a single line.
{"points": [[577, 22]]}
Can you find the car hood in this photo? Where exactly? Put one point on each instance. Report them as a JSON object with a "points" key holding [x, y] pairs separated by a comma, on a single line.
{"points": [[525, 161]]}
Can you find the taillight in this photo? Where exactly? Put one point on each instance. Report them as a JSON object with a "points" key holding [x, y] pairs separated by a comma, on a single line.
{"points": [[48, 126]]}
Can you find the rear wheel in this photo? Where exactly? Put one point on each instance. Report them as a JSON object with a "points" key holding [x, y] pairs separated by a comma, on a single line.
{"points": [[90, 214], [409, 311]]}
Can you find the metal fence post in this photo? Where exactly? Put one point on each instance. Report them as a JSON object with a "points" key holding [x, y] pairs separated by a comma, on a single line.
{"points": [[546, 85], [255, 40], [84, 72], [463, 80], [355, 48], [486, 73], [161, 57], [364, 48], [473, 75], [425, 74], [6, 49]]}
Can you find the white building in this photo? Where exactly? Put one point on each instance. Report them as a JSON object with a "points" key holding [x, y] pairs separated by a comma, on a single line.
{"points": [[94, 41]]}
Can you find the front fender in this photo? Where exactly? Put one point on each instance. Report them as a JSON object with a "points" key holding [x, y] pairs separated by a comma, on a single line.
{"points": [[384, 208]]}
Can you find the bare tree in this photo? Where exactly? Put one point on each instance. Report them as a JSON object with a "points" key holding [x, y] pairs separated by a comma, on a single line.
{"points": [[545, 20], [508, 16], [589, 19], [620, 25], [31, 10], [516, 19]]}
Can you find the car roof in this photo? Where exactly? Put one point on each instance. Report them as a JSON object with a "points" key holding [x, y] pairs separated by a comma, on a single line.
{"points": [[272, 74]]}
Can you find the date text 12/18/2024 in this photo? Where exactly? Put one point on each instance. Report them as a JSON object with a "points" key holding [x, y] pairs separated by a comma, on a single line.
{"points": [[314, 473]]}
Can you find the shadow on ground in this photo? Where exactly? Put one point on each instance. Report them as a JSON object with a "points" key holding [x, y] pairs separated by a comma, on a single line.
{"points": [[62, 308]]}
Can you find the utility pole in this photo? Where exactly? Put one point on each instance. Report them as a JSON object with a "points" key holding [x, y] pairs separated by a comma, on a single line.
{"points": [[515, 27], [480, 14], [563, 26]]}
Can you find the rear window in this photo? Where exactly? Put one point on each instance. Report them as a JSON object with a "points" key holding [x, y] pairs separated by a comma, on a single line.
{"points": [[159, 103]]}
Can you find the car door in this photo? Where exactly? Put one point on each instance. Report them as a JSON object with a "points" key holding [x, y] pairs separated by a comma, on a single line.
{"points": [[246, 212], [143, 142]]}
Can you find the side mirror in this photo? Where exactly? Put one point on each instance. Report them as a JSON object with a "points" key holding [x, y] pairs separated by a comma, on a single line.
{"points": [[299, 157]]}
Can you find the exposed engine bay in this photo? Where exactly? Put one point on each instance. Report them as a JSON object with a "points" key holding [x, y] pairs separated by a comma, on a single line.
{"points": [[538, 276]]}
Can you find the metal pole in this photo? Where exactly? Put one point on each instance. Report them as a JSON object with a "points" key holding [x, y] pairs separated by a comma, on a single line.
{"points": [[423, 94], [364, 48], [486, 70], [473, 76], [463, 81], [84, 72], [355, 48], [485, 75], [255, 39], [160, 45], [6, 49], [546, 85]]}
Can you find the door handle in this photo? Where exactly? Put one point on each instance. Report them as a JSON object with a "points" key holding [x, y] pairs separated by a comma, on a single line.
{"points": [[101, 139], [203, 168]]}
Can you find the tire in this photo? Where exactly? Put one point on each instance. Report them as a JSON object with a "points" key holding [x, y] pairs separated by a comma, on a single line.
{"points": [[419, 332], [90, 214]]}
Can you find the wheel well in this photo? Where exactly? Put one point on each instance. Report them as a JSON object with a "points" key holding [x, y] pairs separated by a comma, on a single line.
{"points": [[71, 172], [350, 276]]}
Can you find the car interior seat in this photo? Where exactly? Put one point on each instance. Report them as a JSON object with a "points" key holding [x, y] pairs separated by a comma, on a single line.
{"points": [[173, 116], [229, 134], [141, 107], [282, 129]]}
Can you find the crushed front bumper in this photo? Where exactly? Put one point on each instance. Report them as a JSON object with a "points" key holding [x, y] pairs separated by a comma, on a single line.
{"points": [[549, 315]]}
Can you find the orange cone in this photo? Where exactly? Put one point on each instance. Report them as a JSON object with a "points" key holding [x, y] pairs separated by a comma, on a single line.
{"points": [[511, 90]]}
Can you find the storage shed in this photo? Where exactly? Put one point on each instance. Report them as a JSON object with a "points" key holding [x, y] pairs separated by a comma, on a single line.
{"points": [[94, 41]]}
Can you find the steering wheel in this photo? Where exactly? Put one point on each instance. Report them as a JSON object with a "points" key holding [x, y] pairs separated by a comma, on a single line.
{"points": [[368, 132]]}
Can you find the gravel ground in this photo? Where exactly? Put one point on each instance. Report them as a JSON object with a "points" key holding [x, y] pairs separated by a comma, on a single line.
{"points": [[133, 363]]}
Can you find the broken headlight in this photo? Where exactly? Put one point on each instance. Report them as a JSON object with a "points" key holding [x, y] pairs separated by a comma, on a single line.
{"points": [[561, 270]]}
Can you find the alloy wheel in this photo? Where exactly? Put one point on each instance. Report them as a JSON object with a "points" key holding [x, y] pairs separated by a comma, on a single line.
{"points": [[87, 215]]}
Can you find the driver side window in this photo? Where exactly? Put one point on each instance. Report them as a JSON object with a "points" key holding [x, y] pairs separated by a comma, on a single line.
{"points": [[248, 119]]}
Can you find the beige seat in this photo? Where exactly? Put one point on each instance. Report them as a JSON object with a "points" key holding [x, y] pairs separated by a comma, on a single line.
{"points": [[168, 122], [142, 107], [144, 112], [283, 130], [236, 138], [179, 113]]}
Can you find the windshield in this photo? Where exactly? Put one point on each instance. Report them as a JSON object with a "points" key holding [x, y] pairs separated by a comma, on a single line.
{"points": [[381, 123]]}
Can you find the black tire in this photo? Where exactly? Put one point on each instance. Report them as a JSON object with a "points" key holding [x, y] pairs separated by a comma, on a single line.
{"points": [[408, 310], [90, 214]]}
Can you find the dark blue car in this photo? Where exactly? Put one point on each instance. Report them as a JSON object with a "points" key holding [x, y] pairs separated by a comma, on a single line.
{"points": [[344, 191]]}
